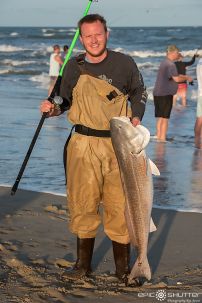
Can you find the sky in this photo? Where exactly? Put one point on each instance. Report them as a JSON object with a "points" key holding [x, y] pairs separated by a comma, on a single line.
{"points": [[116, 12]]}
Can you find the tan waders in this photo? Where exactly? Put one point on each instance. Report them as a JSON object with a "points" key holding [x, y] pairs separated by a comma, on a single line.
{"points": [[93, 175]]}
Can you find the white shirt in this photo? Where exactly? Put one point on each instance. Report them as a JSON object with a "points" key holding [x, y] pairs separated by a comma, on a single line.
{"points": [[54, 66], [199, 76]]}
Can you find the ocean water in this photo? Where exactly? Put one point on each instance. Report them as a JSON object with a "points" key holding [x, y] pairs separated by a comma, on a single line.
{"points": [[24, 64]]}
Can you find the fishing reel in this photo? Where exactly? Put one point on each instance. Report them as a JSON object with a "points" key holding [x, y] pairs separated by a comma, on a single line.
{"points": [[56, 100]]}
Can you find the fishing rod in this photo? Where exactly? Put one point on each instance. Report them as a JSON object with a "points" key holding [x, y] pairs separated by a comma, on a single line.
{"points": [[53, 98], [196, 55]]}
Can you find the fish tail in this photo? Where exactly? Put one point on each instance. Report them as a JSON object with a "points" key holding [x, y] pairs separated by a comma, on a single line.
{"points": [[140, 269]]}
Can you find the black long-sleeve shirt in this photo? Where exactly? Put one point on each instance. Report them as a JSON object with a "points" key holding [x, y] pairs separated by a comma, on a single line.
{"points": [[181, 66], [118, 69]]}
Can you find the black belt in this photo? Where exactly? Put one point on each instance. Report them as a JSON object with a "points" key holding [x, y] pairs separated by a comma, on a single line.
{"points": [[87, 131]]}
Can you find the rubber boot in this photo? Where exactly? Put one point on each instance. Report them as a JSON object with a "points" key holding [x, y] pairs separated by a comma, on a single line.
{"points": [[122, 260], [83, 263]]}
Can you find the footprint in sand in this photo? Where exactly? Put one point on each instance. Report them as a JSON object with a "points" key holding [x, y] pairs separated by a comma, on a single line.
{"points": [[63, 263], [6, 231], [9, 246], [56, 209]]}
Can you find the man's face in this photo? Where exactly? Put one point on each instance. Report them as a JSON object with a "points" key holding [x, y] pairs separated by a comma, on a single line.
{"points": [[175, 55], [94, 38]]}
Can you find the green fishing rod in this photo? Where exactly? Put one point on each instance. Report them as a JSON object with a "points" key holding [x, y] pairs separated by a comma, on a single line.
{"points": [[54, 98]]}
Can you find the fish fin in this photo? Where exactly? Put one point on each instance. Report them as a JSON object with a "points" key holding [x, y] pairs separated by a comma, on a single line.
{"points": [[145, 134], [140, 269], [154, 169], [152, 226]]}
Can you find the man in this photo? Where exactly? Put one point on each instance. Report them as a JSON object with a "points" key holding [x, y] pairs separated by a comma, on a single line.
{"points": [[182, 86], [198, 123], [164, 90], [55, 64], [97, 86]]}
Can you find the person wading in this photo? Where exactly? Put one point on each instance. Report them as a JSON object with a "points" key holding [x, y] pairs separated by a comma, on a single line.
{"points": [[55, 65], [95, 87], [198, 122], [182, 86], [165, 88]]}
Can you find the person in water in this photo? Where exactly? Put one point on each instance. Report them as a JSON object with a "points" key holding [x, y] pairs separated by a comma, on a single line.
{"points": [[65, 51], [165, 88], [96, 86], [55, 65], [198, 123], [182, 86]]}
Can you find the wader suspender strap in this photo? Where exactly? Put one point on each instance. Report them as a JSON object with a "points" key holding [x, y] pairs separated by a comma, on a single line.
{"points": [[80, 61]]}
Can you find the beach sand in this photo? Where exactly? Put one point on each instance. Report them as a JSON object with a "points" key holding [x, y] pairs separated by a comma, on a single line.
{"points": [[36, 247]]}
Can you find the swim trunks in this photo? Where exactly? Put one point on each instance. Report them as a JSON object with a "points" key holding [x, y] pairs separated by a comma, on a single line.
{"points": [[163, 106]]}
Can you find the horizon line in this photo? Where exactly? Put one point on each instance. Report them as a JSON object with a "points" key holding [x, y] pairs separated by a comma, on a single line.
{"points": [[131, 26]]}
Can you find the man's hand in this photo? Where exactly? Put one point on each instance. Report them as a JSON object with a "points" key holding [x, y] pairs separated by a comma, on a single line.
{"points": [[135, 121], [48, 107]]}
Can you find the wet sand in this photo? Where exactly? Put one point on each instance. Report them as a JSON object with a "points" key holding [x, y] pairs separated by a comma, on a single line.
{"points": [[36, 248]]}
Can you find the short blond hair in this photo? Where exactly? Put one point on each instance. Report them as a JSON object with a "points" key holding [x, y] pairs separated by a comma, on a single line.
{"points": [[172, 48]]}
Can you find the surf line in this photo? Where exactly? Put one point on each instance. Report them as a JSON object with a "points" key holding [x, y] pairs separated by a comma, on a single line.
{"points": [[58, 101]]}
